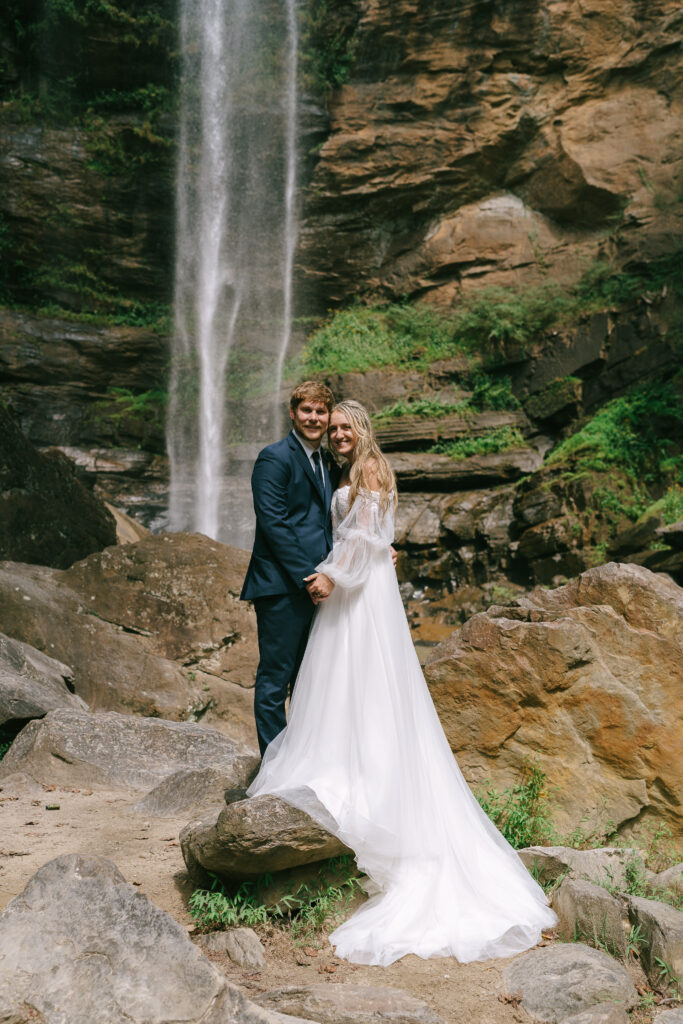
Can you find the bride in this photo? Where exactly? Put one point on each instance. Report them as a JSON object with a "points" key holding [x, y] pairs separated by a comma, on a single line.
{"points": [[364, 753]]}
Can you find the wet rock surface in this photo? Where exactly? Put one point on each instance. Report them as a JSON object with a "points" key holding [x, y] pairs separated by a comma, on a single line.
{"points": [[47, 516]]}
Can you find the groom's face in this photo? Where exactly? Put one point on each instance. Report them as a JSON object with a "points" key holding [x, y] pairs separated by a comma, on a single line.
{"points": [[310, 421]]}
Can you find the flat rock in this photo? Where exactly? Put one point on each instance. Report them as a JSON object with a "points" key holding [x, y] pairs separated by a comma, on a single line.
{"points": [[662, 934], [80, 944], [31, 683], [108, 750], [350, 1004], [241, 945], [586, 678], [588, 913], [558, 981], [402, 433], [603, 864], [250, 837], [600, 1014], [417, 471]]}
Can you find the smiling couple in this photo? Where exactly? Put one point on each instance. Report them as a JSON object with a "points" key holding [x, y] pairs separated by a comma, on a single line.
{"points": [[364, 753]]}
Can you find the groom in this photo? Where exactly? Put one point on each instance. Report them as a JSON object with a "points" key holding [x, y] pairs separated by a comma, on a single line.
{"points": [[292, 487]]}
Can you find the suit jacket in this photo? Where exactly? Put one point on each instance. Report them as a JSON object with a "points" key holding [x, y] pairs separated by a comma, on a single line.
{"points": [[293, 525]]}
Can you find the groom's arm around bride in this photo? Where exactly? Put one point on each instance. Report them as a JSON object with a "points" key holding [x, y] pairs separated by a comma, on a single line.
{"points": [[292, 490]]}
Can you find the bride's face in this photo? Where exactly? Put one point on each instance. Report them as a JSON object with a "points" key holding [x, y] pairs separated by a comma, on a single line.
{"points": [[343, 438]]}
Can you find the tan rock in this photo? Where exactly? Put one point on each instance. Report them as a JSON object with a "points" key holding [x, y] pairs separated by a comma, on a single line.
{"points": [[586, 681]]}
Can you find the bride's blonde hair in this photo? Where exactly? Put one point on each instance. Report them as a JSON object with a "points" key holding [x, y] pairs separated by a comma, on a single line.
{"points": [[367, 448]]}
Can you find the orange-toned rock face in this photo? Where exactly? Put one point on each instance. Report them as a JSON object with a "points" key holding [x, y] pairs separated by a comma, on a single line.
{"points": [[587, 680], [496, 140]]}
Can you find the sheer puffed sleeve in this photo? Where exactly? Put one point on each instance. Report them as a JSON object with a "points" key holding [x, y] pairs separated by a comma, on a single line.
{"points": [[363, 537]]}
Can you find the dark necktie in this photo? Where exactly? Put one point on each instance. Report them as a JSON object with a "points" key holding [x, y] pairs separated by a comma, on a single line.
{"points": [[319, 472]]}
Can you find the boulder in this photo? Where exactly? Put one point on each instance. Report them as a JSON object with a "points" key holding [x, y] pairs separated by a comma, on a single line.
{"points": [[80, 944], [674, 1016], [587, 913], [154, 627], [672, 879], [108, 750], [241, 945], [31, 684], [557, 982], [251, 837], [600, 865], [350, 1004], [661, 953], [584, 679], [47, 516]]}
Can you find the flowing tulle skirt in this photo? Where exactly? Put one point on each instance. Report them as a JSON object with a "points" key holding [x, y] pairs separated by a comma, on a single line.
{"points": [[365, 755]]}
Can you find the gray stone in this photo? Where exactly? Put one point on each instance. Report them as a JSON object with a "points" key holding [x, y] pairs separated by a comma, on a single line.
{"points": [[242, 945], [31, 683], [422, 471], [672, 879], [601, 1013], [588, 913], [673, 1016], [252, 836], [662, 939], [604, 864], [350, 1004], [80, 945], [195, 790], [558, 981], [109, 751]]}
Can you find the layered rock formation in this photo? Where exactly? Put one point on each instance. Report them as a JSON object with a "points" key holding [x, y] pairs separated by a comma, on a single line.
{"points": [[495, 144]]}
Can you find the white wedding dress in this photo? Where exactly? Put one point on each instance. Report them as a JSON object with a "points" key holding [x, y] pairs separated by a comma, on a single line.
{"points": [[365, 755]]}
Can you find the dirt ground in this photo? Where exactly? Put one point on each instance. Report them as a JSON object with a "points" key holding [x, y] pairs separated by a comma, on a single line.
{"points": [[147, 853]]}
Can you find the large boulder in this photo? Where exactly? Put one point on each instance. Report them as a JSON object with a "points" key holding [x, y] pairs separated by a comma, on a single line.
{"points": [[559, 981], [585, 679], [47, 516], [31, 683], [250, 837], [154, 627], [661, 931], [179, 765], [588, 913], [80, 944], [602, 865]]}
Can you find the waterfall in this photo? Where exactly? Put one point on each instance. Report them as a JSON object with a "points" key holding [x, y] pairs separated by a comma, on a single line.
{"points": [[236, 229]]}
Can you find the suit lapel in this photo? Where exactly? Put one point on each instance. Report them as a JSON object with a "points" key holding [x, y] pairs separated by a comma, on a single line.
{"points": [[300, 454]]}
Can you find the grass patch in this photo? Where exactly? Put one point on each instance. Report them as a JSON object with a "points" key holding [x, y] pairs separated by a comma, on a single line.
{"points": [[487, 393], [488, 444], [521, 813], [306, 909]]}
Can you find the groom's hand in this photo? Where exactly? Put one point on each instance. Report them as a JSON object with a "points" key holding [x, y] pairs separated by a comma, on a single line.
{"points": [[394, 555], [319, 586]]}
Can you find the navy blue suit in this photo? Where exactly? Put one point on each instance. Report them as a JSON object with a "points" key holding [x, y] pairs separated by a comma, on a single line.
{"points": [[293, 534]]}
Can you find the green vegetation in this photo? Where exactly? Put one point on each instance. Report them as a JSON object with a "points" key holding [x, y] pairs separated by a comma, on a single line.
{"points": [[521, 813], [306, 909], [495, 441], [486, 392], [326, 46], [403, 336]]}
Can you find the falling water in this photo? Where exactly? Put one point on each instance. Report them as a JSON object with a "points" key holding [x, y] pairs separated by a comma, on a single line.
{"points": [[236, 236]]}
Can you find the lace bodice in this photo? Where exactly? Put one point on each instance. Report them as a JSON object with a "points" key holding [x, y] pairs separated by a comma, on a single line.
{"points": [[361, 534]]}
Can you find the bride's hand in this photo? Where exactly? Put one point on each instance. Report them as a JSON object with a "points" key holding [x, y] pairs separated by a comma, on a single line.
{"points": [[319, 586], [394, 555]]}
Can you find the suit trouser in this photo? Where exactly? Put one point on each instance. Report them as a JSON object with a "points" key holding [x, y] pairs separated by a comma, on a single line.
{"points": [[283, 623]]}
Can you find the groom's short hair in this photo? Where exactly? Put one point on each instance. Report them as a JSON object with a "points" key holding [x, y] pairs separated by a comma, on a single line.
{"points": [[312, 391]]}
